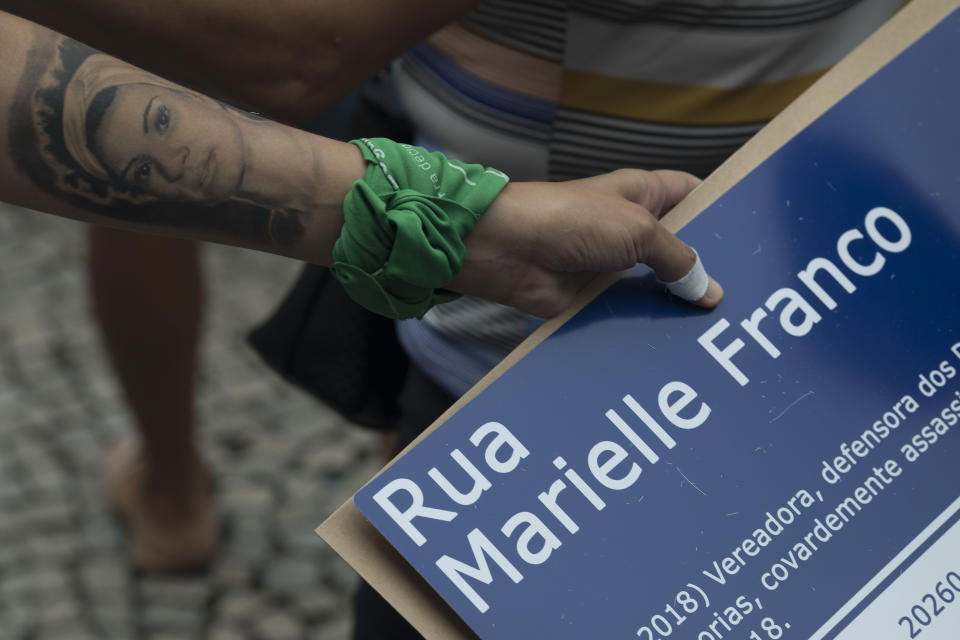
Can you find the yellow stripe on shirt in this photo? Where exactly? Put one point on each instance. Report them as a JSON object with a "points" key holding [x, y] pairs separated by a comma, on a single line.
{"points": [[679, 104]]}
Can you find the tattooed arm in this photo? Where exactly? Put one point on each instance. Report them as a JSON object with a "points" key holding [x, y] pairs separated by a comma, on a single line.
{"points": [[90, 137], [93, 138], [286, 58]]}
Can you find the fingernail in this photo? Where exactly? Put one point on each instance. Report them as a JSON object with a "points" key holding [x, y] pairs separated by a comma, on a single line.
{"points": [[714, 294]]}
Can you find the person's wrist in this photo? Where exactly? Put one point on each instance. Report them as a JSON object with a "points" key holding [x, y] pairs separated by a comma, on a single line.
{"points": [[405, 222], [517, 221]]}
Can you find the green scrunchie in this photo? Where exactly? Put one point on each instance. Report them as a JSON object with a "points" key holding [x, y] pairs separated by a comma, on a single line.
{"points": [[404, 226]]}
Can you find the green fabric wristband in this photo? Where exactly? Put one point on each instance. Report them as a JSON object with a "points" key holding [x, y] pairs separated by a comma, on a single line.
{"points": [[404, 226]]}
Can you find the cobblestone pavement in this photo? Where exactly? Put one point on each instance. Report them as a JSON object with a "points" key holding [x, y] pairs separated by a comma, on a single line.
{"points": [[282, 462]]}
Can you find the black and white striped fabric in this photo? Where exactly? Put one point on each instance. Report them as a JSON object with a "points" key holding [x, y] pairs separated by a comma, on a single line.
{"points": [[652, 84]]}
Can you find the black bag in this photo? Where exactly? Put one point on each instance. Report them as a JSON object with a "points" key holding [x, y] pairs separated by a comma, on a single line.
{"points": [[322, 341]]}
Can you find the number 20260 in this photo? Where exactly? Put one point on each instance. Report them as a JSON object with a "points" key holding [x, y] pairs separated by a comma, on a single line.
{"points": [[931, 605]]}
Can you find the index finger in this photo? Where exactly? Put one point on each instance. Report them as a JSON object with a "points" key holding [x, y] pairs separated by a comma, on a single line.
{"points": [[679, 267]]}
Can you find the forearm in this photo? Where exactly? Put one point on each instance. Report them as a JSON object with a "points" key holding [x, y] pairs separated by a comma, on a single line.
{"points": [[188, 167], [90, 137], [288, 59]]}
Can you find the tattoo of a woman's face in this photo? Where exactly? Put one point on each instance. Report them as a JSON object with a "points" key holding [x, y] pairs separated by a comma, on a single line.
{"points": [[116, 140]]}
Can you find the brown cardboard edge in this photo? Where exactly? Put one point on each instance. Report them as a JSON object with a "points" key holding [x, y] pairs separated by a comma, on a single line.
{"points": [[364, 548]]}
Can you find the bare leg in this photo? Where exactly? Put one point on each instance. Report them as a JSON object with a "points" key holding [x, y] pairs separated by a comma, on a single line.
{"points": [[148, 299]]}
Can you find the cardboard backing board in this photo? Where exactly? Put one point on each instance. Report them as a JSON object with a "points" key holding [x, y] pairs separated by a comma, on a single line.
{"points": [[353, 537]]}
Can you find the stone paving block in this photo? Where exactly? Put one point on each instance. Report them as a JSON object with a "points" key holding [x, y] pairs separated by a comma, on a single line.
{"points": [[62, 546], [246, 495], [309, 414], [114, 426], [255, 470], [228, 573], [335, 459], [102, 535], [103, 387], [114, 619], [279, 625], [318, 603], [10, 492], [60, 612], [91, 497], [170, 617], [104, 574], [69, 629], [78, 442], [298, 536], [17, 622], [226, 633], [238, 608], [171, 604], [174, 591], [339, 628], [31, 585], [292, 574], [48, 514], [248, 544], [44, 487]]}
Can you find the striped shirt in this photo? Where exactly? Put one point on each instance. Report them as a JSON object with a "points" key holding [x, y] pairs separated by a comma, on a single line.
{"points": [[545, 89]]}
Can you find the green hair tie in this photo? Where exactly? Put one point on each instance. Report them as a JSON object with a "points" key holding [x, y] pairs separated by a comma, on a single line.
{"points": [[404, 226]]}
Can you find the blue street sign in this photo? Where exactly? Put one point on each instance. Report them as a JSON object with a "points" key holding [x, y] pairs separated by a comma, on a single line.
{"points": [[785, 466]]}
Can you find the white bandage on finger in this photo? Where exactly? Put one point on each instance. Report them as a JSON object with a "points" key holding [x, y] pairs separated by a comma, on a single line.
{"points": [[692, 286]]}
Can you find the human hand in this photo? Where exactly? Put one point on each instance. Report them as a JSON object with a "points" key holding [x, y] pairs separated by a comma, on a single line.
{"points": [[539, 243]]}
